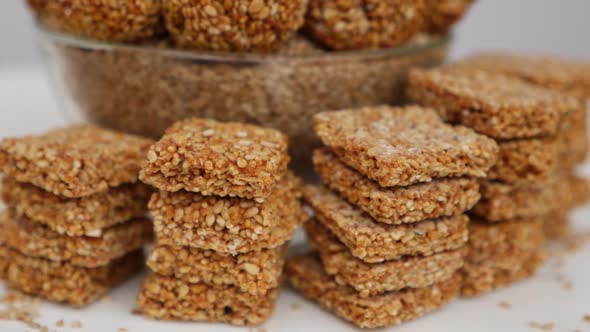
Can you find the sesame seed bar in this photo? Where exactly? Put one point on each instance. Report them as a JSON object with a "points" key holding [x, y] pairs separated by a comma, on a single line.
{"points": [[483, 278], [502, 253], [502, 201], [237, 25], [396, 205], [120, 21], [399, 146], [306, 275], [504, 242], [373, 279], [77, 216], [441, 15], [578, 189], [254, 272], [228, 225], [166, 298], [556, 225], [76, 161], [498, 106], [344, 25], [63, 282], [375, 242], [215, 158], [526, 160], [573, 139], [36, 240], [563, 75]]}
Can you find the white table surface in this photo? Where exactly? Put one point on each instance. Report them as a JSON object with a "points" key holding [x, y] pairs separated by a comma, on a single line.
{"points": [[27, 106]]}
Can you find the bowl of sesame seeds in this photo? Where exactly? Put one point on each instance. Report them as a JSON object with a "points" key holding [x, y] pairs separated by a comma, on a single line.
{"points": [[144, 87]]}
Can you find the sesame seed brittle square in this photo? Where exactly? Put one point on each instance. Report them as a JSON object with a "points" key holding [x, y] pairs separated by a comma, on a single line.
{"points": [[399, 146], [215, 158]]}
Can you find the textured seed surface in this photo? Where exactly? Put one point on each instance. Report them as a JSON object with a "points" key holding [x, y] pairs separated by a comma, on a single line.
{"points": [[120, 20], [375, 242], [167, 298], [399, 146], [77, 216], [75, 161], [496, 105], [254, 272], [373, 279], [37, 240], [502, 253], [228, 224], [216, 158], [361, 24], [237, 25], [64, 282], [306, 275], [396, 205]]}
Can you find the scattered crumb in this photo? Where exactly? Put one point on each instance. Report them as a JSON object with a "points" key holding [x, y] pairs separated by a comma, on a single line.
{"points": [[15, 306], [505, 305], [542, 327], [587, 318], [76, 324], [295, 306], [567, 285], [262, 330], [60, 323], [121, 329], [136, 311], [107, 299]]}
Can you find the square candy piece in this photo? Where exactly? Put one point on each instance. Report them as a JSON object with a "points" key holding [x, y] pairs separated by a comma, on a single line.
{"points": [[396, 205], [306, 275], [479, 279], [504, 241], [215, 158], [228, 224], [375, 242], [397, 146], [63, 282], [496, 105], [556, 225], [563, 75], [77, 216], [504, 201], [525, 161], [168, 298], [573, 139], [75, 161], [254, 272], [577, 191], [373, 279], [37, 240], [503, 253]]}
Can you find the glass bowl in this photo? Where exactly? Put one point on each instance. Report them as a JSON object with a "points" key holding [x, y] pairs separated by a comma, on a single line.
{"points": [[143, 89]]}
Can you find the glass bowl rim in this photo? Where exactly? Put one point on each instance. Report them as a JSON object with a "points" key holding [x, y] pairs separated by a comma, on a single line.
{"points": [[434, 43]]}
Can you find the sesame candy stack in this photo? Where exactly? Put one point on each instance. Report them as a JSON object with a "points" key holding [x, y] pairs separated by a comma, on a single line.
{"points": [[226, 208], [529, 190], [563, 76], [390, 227], [75, 224]]}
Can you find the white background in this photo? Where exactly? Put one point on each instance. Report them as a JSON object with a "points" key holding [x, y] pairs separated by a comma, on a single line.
{"points": [[549, 26]]}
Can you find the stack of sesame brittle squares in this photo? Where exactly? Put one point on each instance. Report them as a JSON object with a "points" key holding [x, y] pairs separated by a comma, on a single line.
{"points": [[530, 107], [75, 224], [390, 228], [225, 211]]}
